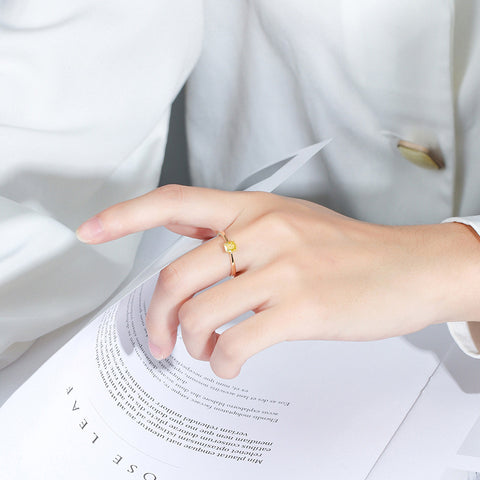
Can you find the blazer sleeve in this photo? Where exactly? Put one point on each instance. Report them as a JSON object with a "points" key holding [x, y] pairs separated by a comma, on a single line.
{"points": [[85, 94]]}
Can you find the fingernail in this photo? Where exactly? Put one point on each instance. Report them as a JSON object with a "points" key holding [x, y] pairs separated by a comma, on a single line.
{"points": [[155, 351], [90, 231]]}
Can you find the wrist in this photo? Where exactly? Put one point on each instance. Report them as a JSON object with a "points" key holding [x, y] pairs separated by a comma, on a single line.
{"points": [[459, 277]]}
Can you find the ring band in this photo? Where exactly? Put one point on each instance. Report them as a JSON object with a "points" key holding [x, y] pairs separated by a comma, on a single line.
{"points": [[229, 246]]}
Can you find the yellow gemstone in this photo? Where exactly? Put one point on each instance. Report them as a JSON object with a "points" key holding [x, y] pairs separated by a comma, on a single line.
{"points": [[229, 246]]}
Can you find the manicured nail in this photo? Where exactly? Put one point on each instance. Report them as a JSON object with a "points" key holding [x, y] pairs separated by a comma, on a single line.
{"points": [[90, 231], [155, 351]]}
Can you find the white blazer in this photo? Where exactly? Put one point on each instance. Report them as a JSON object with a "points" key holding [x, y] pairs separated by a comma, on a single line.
{"points": [[277, 75], [85, 92]]}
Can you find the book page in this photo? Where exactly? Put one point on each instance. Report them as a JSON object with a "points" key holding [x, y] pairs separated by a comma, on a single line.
{"points": [[103, 407]]}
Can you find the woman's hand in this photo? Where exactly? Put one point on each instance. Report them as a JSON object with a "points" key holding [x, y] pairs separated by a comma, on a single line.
{"points": [[305, 271]]}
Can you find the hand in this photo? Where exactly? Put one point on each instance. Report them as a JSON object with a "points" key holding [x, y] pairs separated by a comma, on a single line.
{"points": [[304, 270]]}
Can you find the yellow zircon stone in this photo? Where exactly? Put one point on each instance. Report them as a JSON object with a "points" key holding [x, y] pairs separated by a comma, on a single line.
{"points": [[230, 246]]}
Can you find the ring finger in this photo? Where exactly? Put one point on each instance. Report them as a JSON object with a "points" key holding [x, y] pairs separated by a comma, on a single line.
{"points": [[179, 281]]}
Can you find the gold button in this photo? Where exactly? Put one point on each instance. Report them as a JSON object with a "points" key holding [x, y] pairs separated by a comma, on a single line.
{"points": [[420, 155]]}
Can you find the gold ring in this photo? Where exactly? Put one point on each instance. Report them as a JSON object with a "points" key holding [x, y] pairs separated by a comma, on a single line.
{"points": [[229, 246]]}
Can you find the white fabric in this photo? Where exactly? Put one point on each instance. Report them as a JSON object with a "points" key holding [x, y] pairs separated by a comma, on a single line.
{"points": [[274, 76], [85, 94], [85, 90]]}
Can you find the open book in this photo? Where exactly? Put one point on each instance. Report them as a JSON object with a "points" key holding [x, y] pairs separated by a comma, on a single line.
{"points": [[103, 407]]}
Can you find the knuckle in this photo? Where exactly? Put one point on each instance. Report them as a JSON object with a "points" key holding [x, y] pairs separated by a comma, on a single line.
{"points": [[278, 224], [190, 320], [289, 270], [228, 349], [259, 198], [227, 358], [169, 279], [193, 332], [173, 193], [194, 351]]}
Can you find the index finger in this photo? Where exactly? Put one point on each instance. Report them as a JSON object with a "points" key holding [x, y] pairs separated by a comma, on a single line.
{"points": [[170, 204]]}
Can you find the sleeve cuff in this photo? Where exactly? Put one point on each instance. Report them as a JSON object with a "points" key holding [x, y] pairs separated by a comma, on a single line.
{"points": [[473, 222], [460, 331]]}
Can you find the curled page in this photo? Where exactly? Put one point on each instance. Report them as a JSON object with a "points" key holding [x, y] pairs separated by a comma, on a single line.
{"points": [[269, 178]]}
